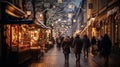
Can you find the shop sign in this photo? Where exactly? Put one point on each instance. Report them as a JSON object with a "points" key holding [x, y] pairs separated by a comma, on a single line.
{"points": [[112, 11]]}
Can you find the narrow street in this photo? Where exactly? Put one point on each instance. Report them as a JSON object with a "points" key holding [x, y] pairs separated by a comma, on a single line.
{"points": [[30, 30], [55, 58]]}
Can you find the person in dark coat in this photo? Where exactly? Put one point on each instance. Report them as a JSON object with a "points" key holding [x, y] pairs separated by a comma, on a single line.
{"points": [[66, 48], [71, 42], [93, 40], [106, 48], [93, 43], [100, 43], [78, 43], [86, 45]]}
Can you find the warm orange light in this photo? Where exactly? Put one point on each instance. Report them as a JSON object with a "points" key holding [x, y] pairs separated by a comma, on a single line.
{"points": [[10, 13], [52, 24], [69, 15], [41, 15], [74, 20], [65, 21], [54, 6], [59, 19], [59, 1], [28, 12], [13, 10], [69, 6], [93, 19]]}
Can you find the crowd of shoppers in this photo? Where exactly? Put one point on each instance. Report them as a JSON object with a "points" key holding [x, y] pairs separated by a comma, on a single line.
{"points": [[101, 45]]}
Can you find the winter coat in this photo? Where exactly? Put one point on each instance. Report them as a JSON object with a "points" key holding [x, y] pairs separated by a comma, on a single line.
{"points": [[66, 47], [93, 41], [78, 43], [86, 43], [106, 47]]}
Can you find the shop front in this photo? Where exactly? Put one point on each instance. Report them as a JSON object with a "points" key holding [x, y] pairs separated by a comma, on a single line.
{"points": [[37, 41], [93, 28], [108, 22], [102, 27], [18, 42], [89, 30], [117, 19], [15, 37], [113, 18], [24, 42]]}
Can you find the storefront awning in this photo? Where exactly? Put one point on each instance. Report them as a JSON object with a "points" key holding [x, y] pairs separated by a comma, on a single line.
{"points": [[12, 10], [10, 14], [40, 23]]}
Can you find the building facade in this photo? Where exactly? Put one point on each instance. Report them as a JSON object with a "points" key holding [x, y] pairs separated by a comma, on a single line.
{"points": [[106, 15], [17, 37]]}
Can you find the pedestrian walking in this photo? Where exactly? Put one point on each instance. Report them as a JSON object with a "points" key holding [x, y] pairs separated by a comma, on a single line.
{"points": [[100, 44], [78, 43], [94, 45], [106, 48], [71, 42], [66, 48], [58, 41], [86, 45]]}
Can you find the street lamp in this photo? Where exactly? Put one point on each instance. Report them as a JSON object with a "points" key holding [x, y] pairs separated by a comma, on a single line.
{"points": [[65, 21], [59, 1], [92, 18], [74, 20], [69, 6], [69, 15], [28, 12], [59, 19]]}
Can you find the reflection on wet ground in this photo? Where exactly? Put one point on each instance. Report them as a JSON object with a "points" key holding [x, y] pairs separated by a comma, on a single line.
{"points": [[55, 58]]}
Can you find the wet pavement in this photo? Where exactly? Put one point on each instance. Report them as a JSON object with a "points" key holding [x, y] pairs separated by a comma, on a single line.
{"points": [[55, 58]]}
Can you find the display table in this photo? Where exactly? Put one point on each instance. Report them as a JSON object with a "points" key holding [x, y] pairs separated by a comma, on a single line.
{"points": [[35, 52]]}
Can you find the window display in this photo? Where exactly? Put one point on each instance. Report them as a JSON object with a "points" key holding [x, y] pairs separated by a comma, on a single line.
{"points": [[18, 41], [7, 35], [20, 37]]}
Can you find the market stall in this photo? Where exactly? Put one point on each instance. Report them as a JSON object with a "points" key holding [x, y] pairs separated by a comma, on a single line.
{"points": [[18, 42], [37, 42]]}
